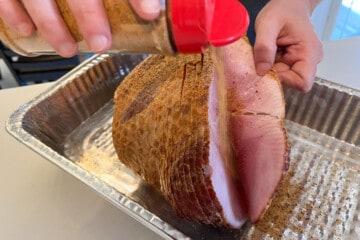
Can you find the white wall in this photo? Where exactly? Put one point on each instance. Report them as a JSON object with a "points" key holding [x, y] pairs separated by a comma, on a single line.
{"points": [[324, 18]]}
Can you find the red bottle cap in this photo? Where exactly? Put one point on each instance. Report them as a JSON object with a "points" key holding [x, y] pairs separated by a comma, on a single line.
{"points": [[197, 23]]}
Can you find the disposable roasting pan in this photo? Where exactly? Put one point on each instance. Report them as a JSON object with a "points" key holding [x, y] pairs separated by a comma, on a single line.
{"points": [[70, 125]]}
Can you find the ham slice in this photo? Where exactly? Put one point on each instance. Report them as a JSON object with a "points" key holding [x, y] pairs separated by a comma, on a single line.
{"points": [[167, 129], [256, 115]]}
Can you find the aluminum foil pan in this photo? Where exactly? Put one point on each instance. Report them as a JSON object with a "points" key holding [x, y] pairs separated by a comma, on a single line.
{"points": [[70, 125]]}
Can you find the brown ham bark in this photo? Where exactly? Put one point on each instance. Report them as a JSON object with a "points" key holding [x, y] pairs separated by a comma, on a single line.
{"points": [[166, 129]]}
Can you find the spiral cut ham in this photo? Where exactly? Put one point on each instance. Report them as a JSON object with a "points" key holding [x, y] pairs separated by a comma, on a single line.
{"points": [[167, 128]]}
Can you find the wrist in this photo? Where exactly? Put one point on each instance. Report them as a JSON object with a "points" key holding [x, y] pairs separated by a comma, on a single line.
{"points": [[313, 4], [303, 5], [310, 4], [307, 5]]}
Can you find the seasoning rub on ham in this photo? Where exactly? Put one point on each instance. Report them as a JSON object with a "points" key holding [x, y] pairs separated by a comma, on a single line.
{"points": [[166, 128]]}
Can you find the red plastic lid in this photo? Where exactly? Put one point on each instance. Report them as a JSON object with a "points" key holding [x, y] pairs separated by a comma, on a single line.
{"points": [[197, 23]]}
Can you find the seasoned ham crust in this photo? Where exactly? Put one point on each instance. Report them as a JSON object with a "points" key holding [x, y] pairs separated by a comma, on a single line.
{"points": [[166, 129]]}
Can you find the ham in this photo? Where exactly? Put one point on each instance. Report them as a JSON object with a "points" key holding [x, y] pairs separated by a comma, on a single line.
{"points": [[167, 129]]}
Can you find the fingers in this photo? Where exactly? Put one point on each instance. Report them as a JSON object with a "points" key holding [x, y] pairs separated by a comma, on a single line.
{"points": [[147, 9], [51, 26], [93, 23], [90, 17], [265, 43], [299, 76], [14, 15], [297, 64]]}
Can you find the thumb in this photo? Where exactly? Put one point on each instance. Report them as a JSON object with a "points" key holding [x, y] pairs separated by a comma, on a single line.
{"points": [[265, 44], [146, 9]]}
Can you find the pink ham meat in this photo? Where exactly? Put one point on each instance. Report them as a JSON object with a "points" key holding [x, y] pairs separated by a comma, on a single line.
{"points": [[256, 115], [166, 128]]}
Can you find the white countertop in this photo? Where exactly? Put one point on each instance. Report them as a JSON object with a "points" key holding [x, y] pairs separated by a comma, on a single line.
{"points": [[40, 201]]}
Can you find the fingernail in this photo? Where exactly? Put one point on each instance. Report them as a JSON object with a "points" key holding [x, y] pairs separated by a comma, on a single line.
{"points": [[150, 6], [263, 67], [98, 43], [67, 49], [24, 29]]}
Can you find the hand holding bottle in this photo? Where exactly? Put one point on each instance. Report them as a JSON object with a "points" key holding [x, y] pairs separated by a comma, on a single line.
{"points": [[28, 15]]}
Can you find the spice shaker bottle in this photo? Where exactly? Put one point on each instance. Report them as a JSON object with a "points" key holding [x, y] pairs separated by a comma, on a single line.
{"points": [[185, 26]]}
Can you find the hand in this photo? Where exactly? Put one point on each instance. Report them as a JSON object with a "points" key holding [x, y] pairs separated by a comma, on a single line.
{"points": [[90, 16], [286, 41]]}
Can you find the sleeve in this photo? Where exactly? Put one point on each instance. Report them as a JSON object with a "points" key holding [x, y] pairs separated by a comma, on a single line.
{"points": [[253, 7]]}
